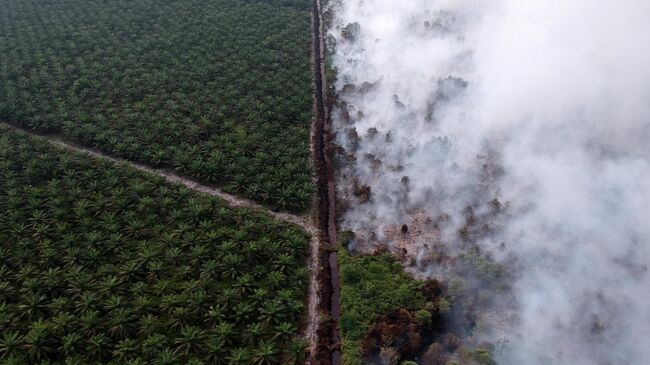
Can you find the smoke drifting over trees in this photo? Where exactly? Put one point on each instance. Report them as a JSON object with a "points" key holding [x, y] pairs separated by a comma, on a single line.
{"points": [[540, 108]]}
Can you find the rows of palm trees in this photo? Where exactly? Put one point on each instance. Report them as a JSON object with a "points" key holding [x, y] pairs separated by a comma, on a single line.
{"points": [[219, 90], [100, 264]]}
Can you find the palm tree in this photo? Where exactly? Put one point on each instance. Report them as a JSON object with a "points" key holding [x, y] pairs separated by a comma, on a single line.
{"points": [[130, 271], [225, 331], [259, 296], [142, 304], [14, 360], [38, 341], [195, 361], [198, 254], [238, 356], [78, 280], [180, 318], [153, 345], [254, 332], [216, 314], [190, 340], [216, 351], [266, 353], [154, 269], [148, 325], [72, 343], [285, 295], [93, 257], [243, 312], [284, 331], [136, 361], [148, 253], [244, 284], [90, 322], [87, 301], [32, 305], [10, 343], [283, 263], [271, 311], [297, 349], [114, 302], [275, 279], [53, 278], [61, 322], [252, 251], [300, 276], [227, 247], [76, 359], [229, 296], [98, 347], [209, 269], [126, 349], [232, 265], [166, 357], [296, 308], [7, 292]]}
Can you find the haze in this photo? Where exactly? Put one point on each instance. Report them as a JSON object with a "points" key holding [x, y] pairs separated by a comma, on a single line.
{"points": [[542, 104]]}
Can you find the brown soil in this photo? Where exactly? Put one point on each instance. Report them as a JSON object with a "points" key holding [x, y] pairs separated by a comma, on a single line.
{"points": [[398, 330]]}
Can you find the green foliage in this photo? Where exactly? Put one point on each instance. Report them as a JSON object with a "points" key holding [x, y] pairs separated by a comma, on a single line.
{"points": [[372, 286], [219, 91], [350, 352], [482, 356], [103, 264], [482, 265], [423, 317]]}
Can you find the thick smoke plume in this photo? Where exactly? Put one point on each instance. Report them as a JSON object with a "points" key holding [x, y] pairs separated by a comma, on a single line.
{"points": [[542, 107]]}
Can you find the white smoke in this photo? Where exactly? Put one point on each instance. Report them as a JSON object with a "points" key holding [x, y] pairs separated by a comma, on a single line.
{"points": [[544, 104]]}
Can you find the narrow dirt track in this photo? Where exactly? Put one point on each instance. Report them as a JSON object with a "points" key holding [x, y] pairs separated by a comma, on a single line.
{"points": [[232, 200]]}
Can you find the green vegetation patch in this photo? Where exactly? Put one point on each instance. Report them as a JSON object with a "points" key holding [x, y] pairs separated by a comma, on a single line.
{"points": [[390, 317], [103, 264], [372, 286], [218, 90]]}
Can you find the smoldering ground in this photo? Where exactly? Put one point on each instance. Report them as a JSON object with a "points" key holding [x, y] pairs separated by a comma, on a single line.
{"points": [[545, 105]]}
